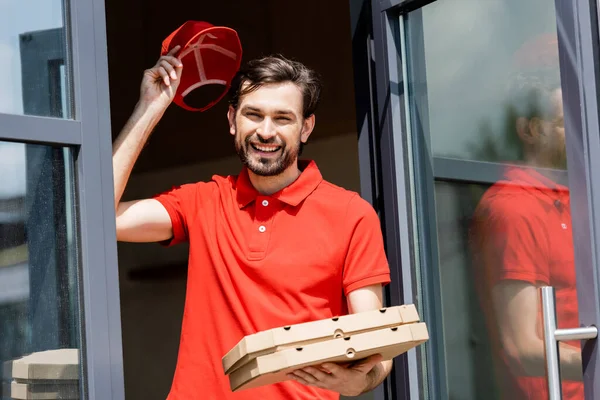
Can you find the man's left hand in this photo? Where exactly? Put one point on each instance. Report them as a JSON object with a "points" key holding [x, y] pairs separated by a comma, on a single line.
{"points": [[348, 380]]}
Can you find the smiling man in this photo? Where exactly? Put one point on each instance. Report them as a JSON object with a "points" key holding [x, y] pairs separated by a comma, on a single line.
{"points": [[276, 245]]}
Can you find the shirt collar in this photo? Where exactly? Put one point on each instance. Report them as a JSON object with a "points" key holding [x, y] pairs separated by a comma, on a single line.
{"points": [[293, 194], [538, 184]]}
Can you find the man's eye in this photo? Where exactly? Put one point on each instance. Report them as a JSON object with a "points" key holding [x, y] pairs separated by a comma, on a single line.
{"points": [[284, 119]]}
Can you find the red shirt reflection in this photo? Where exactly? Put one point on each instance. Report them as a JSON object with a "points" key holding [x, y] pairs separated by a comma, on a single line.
{"points": [[522, 232]]}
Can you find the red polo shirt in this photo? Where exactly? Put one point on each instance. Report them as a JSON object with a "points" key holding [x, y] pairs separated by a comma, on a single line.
{"points": [[522, 231], [259, 262]]}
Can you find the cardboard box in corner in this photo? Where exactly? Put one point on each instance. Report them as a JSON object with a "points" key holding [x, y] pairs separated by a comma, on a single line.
{"points": [[46, 375]]}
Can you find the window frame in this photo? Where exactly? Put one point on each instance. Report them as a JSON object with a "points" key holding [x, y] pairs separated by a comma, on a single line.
{"points": [[89, 138]]}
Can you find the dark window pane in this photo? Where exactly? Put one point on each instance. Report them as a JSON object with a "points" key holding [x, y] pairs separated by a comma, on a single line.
{"points": [[39, 292]]}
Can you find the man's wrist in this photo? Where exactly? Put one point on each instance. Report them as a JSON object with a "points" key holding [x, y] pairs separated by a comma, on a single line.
{"points": [[147, 115], [154, 107], [373, 378]]}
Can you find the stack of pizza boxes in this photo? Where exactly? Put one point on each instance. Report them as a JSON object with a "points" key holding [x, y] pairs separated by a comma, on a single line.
{"points": [[47, 375], [267, 357]]}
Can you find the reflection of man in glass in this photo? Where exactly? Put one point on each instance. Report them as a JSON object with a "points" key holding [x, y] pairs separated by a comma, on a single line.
{"points": [[521, 238]]}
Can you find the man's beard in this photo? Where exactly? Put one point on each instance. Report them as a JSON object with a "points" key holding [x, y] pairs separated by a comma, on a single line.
{"points": [[560, 159], [556, 153], [267, 166]]}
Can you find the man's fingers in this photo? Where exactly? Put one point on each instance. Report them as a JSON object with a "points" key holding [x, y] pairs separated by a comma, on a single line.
{"points": [[371, 360], [298, 379], [306, 376], [333, 369], [169, 68], [174, 61], [174, 50], [368, 363], [164, 75], [319, 375]]}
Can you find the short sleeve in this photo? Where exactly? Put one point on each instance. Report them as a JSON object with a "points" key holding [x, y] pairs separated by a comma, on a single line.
{"points": [[366, 263], [178, 202], [511, 246]]}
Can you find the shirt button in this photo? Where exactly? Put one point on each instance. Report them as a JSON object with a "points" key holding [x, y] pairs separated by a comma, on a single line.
{"points": [[262, 228], [265, 203]]}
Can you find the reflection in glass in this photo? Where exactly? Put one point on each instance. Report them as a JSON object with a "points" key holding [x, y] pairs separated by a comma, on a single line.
{"points": [[34, 62], [464, 78], [522, 238], [491, 92], [39, 295]]}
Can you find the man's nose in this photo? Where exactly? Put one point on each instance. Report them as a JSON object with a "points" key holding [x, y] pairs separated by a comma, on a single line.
{"points": [[266, 129]]}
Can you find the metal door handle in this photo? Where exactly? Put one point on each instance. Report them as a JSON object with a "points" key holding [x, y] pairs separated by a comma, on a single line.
{"points": [[553, 335]]}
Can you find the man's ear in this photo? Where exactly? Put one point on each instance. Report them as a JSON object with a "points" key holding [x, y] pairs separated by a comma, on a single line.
{"points": [[231, 119], [529, 129], [307, 128]]}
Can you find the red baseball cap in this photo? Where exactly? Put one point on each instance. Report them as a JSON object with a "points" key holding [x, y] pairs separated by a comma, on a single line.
{"points": [[211, 55], [537, 52]]}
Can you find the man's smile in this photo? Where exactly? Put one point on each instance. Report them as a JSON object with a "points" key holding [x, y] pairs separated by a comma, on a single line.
{"points": [[265, 149]]}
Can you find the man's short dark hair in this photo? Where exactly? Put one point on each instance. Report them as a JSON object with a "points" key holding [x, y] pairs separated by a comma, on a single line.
{"points": [[277, 69], [535, 76]]}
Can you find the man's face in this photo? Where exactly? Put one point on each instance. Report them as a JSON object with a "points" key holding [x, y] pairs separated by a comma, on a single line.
{"points": [[552, 139], [268, 127]]}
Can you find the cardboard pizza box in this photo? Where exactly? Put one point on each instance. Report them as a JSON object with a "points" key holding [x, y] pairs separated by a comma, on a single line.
{"points": [[270, 341], [35, 391], [273, 368], [62, 364]]}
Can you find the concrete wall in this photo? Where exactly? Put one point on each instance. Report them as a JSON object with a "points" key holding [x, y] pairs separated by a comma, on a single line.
{"points": [[153, 278]]}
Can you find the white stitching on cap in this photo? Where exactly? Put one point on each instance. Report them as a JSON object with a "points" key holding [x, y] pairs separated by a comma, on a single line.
{"points": [[199, 62], [219, 49], [214, 47], [206, 82], [196, 47], [199, 45]]}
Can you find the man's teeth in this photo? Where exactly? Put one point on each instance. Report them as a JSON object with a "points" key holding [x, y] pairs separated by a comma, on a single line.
{"points": [[265, 149]]}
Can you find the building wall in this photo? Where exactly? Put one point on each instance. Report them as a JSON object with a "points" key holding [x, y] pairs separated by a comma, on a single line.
{"points": [[153, 278]]}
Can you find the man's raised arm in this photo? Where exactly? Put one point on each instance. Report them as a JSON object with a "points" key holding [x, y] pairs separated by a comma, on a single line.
{"points": [[144, 220]]}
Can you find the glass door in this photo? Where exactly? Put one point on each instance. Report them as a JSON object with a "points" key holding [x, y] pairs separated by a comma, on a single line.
{"points": [[492, 189], [486, 159], [59, 307], [494, 224]]}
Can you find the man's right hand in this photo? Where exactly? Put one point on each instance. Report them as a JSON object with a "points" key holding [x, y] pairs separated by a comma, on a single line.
{"points": [[144, 220], [160, 82]]}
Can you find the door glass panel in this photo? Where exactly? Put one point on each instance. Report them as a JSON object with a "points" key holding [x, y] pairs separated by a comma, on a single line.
{"points": [[34, 61], [485, 98], [39, 294], [471, 77]]}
